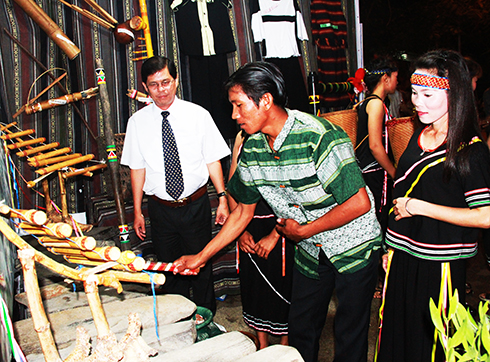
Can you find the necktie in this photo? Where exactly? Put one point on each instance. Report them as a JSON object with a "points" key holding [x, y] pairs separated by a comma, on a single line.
{"points": [[173, 171]]}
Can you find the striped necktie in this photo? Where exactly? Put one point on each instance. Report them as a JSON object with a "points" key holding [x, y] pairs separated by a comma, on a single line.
{"points": [[174, 180]]}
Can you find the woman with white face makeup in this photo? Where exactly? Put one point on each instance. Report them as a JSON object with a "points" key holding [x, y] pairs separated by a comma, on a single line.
{"points": [[441, 196]]}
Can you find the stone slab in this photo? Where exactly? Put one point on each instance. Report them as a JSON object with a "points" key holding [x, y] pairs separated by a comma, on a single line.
{"points": [[275, 353]]}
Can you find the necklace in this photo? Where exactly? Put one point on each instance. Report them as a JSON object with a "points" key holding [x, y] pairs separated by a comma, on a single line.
{"points": [[424, 150]]}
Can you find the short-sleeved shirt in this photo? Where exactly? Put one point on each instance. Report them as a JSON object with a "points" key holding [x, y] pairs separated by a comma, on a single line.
{"points": [[199, 143], [420, 175], [311, 169]]}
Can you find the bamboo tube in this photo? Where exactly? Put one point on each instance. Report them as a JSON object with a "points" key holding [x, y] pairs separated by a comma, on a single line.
{"points": [[136, 266], [39, 318], [37, 149], [49, 161], [101, 11], [83, 171], [106, 253], [98, 314], [43, 156], [81, 242], [16, 145], [49, 26], [61, 101], [124, 276], [33, 183], [17, 134], [60, 230], [7, 126], [126, 257], [36, 217], [44, 171], [89, 15]]}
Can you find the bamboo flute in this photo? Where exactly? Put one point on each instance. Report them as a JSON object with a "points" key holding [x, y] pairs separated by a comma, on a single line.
{"points": [[61, 101], [114, 170]]}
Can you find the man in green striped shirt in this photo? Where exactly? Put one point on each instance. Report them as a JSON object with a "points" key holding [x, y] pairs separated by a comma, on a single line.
{"points": [[305, 168]]}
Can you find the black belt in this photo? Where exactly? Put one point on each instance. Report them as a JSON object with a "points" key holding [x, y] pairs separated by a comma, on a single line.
{"points": [[185, 201]]}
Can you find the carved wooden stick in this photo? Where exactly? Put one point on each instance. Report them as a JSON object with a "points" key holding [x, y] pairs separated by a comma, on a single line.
{"points": [[124, 240], [39, 318], [98, 314]]}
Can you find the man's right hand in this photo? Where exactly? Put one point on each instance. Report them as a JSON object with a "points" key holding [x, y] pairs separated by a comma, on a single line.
{"points": [[246, 242], [187, 262], [139, 226]]}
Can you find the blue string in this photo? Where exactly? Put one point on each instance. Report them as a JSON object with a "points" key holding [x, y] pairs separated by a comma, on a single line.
{"points": [[14, 181], [152, 282]]}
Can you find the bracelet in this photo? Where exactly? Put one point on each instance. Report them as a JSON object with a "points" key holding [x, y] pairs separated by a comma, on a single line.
{"points": [[221, 194], [406, 207]]}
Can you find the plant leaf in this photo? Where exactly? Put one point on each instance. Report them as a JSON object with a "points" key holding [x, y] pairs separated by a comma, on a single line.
{"points": [[436, 316]]}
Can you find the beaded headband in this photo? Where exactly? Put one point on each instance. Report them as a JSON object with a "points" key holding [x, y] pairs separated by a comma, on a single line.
{"points": [[431, 81]]}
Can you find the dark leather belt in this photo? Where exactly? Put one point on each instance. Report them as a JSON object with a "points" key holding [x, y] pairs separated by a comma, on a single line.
{"points": [[182, 202]]}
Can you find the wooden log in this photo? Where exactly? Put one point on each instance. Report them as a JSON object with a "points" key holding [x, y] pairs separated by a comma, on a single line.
{"points": [[39, 318], [65, 216], [46, 170], [11, 136], [16, 145], [32, 151], [98, 315], [50, 161], [114, 170], [83, 171], [49, 26], [36, 217], [60, 230], [43, 156], [80, 242]]}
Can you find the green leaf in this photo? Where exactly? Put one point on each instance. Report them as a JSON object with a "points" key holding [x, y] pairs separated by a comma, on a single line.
{"points": [[436, 316]]}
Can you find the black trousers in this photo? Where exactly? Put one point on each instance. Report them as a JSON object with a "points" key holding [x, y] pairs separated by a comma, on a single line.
{"points": [[183, 231], [309, 307]]}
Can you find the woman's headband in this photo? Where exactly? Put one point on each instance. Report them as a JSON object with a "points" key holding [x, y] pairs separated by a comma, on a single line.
{"points": [[431, 81]]}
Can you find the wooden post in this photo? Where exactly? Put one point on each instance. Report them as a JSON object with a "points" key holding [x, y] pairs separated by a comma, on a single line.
{"points": [[113, 163], [39, 318]]}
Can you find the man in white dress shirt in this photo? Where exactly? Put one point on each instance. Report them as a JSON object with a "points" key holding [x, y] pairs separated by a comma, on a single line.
{"points": [[180, 225]]}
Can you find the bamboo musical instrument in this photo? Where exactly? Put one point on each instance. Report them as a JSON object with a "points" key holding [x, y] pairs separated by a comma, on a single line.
{"points": [[49, 161], [59, 229], [7, 126], [49, 26], [106, 253], [90, 15], [36, 217], [60, 86], [126, 257], [101, 11], [137, 265], [31, 184], [16, 145], [11, 136], [56, 81], [61, 101], [81, 242], [51, 154], [58, 166], [83, 171], [34, 150], [146, 32]]}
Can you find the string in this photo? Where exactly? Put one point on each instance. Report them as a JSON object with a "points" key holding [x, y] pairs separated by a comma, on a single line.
{"points": [[7, 324], [152, 283]]}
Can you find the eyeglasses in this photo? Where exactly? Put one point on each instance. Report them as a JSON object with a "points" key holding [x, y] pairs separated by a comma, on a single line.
{"points": [[167, 83]]}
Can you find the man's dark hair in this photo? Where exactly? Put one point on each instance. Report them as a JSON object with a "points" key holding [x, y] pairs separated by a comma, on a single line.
{"points": [[258, 78], [155, 64]]}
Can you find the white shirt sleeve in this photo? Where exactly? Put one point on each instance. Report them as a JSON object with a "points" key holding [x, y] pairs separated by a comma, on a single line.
{"points": [[302, 33], [257, 27]]}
